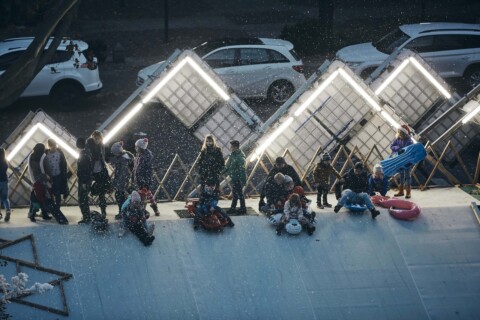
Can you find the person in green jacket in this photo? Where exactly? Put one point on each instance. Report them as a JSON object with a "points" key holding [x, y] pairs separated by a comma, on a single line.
{"points": [[236, 169]]}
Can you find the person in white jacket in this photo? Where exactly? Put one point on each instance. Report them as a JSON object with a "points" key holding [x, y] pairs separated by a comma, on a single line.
{"points": [[293, 210]]}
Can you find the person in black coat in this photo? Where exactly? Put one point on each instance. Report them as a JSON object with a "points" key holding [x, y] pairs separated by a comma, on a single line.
{"points": [[355, 189], [101, 186], [56, 168], [280, 166], [211, 162], [84, 180]]}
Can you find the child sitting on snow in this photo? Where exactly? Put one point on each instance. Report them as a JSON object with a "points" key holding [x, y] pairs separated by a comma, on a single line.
{"points": [[293, 209], [377, 182], [134, 218], [208, 204]]}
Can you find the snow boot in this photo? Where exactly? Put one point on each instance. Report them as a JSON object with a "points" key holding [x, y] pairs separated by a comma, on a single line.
{"points": [[242, 210], [374, 212], [155, 209], [337, 208], [400, 191], [310, 229], [320, 206], [7, 216], [230, 223], [409, 192], [326, 204]]}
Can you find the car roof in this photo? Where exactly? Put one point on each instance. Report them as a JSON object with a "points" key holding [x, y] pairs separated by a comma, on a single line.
{"points": [[14, 44], [414, 30], [209, 46]]}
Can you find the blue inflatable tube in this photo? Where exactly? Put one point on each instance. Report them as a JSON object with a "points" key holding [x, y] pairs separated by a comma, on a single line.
{"points": [[412, 155]]}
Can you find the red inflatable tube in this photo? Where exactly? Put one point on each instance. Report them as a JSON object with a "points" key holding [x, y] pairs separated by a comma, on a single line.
{"points": [[398, 208]]}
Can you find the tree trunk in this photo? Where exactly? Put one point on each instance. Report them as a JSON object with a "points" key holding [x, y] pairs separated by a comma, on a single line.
{"points": [[18, 76]]}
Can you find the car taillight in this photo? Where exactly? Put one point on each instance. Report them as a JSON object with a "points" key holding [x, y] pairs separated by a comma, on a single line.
{"points": [[299, 68], [89, 65]]}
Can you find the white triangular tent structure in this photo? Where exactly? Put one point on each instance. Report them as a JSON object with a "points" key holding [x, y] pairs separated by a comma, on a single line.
{"points": [[194, 93], [37, 127]]}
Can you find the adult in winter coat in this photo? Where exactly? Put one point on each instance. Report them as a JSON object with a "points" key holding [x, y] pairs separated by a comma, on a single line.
{"points": [[101, 185], [355, 190], [377, 182], [280, 166], [236, 170], [321, 176], [211, 162], [143, 168], [41, 195], [134, 218], [122, 162], [84, 180], [36, 170], [4, 185], [56, 169], [277, 193], [403, 139]]}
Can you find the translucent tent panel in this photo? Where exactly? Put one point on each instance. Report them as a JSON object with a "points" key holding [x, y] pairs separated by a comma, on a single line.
{"points": [[225, 125], [408, 90], [473, 106], [19, 161], [194, 94], [331, 115]]}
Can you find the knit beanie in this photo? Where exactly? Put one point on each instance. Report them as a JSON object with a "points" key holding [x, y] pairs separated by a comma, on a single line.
{"points": [[117, 148], [142, 143], [135, 197]]}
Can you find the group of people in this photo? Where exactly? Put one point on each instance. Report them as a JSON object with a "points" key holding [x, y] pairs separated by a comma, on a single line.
{"points": [[131, 183]]}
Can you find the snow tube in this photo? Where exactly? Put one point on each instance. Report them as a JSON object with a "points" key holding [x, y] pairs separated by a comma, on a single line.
{"points": [[293, 226], [412, 155], [377, 200], [401, 209], [356, 207]]}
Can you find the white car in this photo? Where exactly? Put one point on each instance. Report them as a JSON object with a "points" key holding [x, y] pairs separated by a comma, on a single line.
{"points": [[252, 67], [452, 49], [68, 76]]}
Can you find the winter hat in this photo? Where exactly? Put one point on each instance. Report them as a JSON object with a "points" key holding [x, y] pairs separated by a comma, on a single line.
{"points": [[81, 143], [405, 129], [117, 148], [326, 157], [142, 143], [136, 197], [377, 168]]}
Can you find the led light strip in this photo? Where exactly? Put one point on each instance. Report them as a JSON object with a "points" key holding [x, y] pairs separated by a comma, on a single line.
{"points": [[316, 93], [419, 67], [122, 122], [472, 114], [270, 139], [49, 133], [159, 86], [360, 90]]}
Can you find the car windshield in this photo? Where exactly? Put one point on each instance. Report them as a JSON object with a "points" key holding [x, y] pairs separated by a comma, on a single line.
{"points": [[387, 44]]}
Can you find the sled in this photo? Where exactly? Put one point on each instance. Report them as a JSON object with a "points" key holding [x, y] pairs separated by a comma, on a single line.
{"points": [[412, 155]]}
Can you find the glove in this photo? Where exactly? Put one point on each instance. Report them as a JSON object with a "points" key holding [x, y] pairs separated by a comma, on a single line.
{"points": [[400, 151]]}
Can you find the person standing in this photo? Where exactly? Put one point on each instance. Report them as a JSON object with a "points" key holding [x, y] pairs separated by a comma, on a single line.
{"points": [[84, 180], [403, 139], [211, 162], [321, 176], [143, 169], [36, 168], [122, 162], [4, 184], [96, 149], [56, 169], [235, 167]]}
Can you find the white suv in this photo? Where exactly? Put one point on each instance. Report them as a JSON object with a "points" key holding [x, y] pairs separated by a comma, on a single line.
{"points": [[71, 73], [452, 49], [252, 67]]}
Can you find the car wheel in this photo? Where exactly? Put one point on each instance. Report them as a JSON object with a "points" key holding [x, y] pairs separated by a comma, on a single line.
{"points": [[280, 91], [472, 76], [66, 94]]}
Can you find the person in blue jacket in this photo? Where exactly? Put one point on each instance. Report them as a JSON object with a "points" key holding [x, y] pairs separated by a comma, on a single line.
{"points": [[377, 182], [208, 204]]}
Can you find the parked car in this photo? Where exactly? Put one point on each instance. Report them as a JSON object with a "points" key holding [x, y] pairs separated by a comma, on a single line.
{"points": [[71, 73], [452, 49], [252, 67]]}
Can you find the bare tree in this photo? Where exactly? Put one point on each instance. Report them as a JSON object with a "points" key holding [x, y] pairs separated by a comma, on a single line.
{"points": [[19, 75]]}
